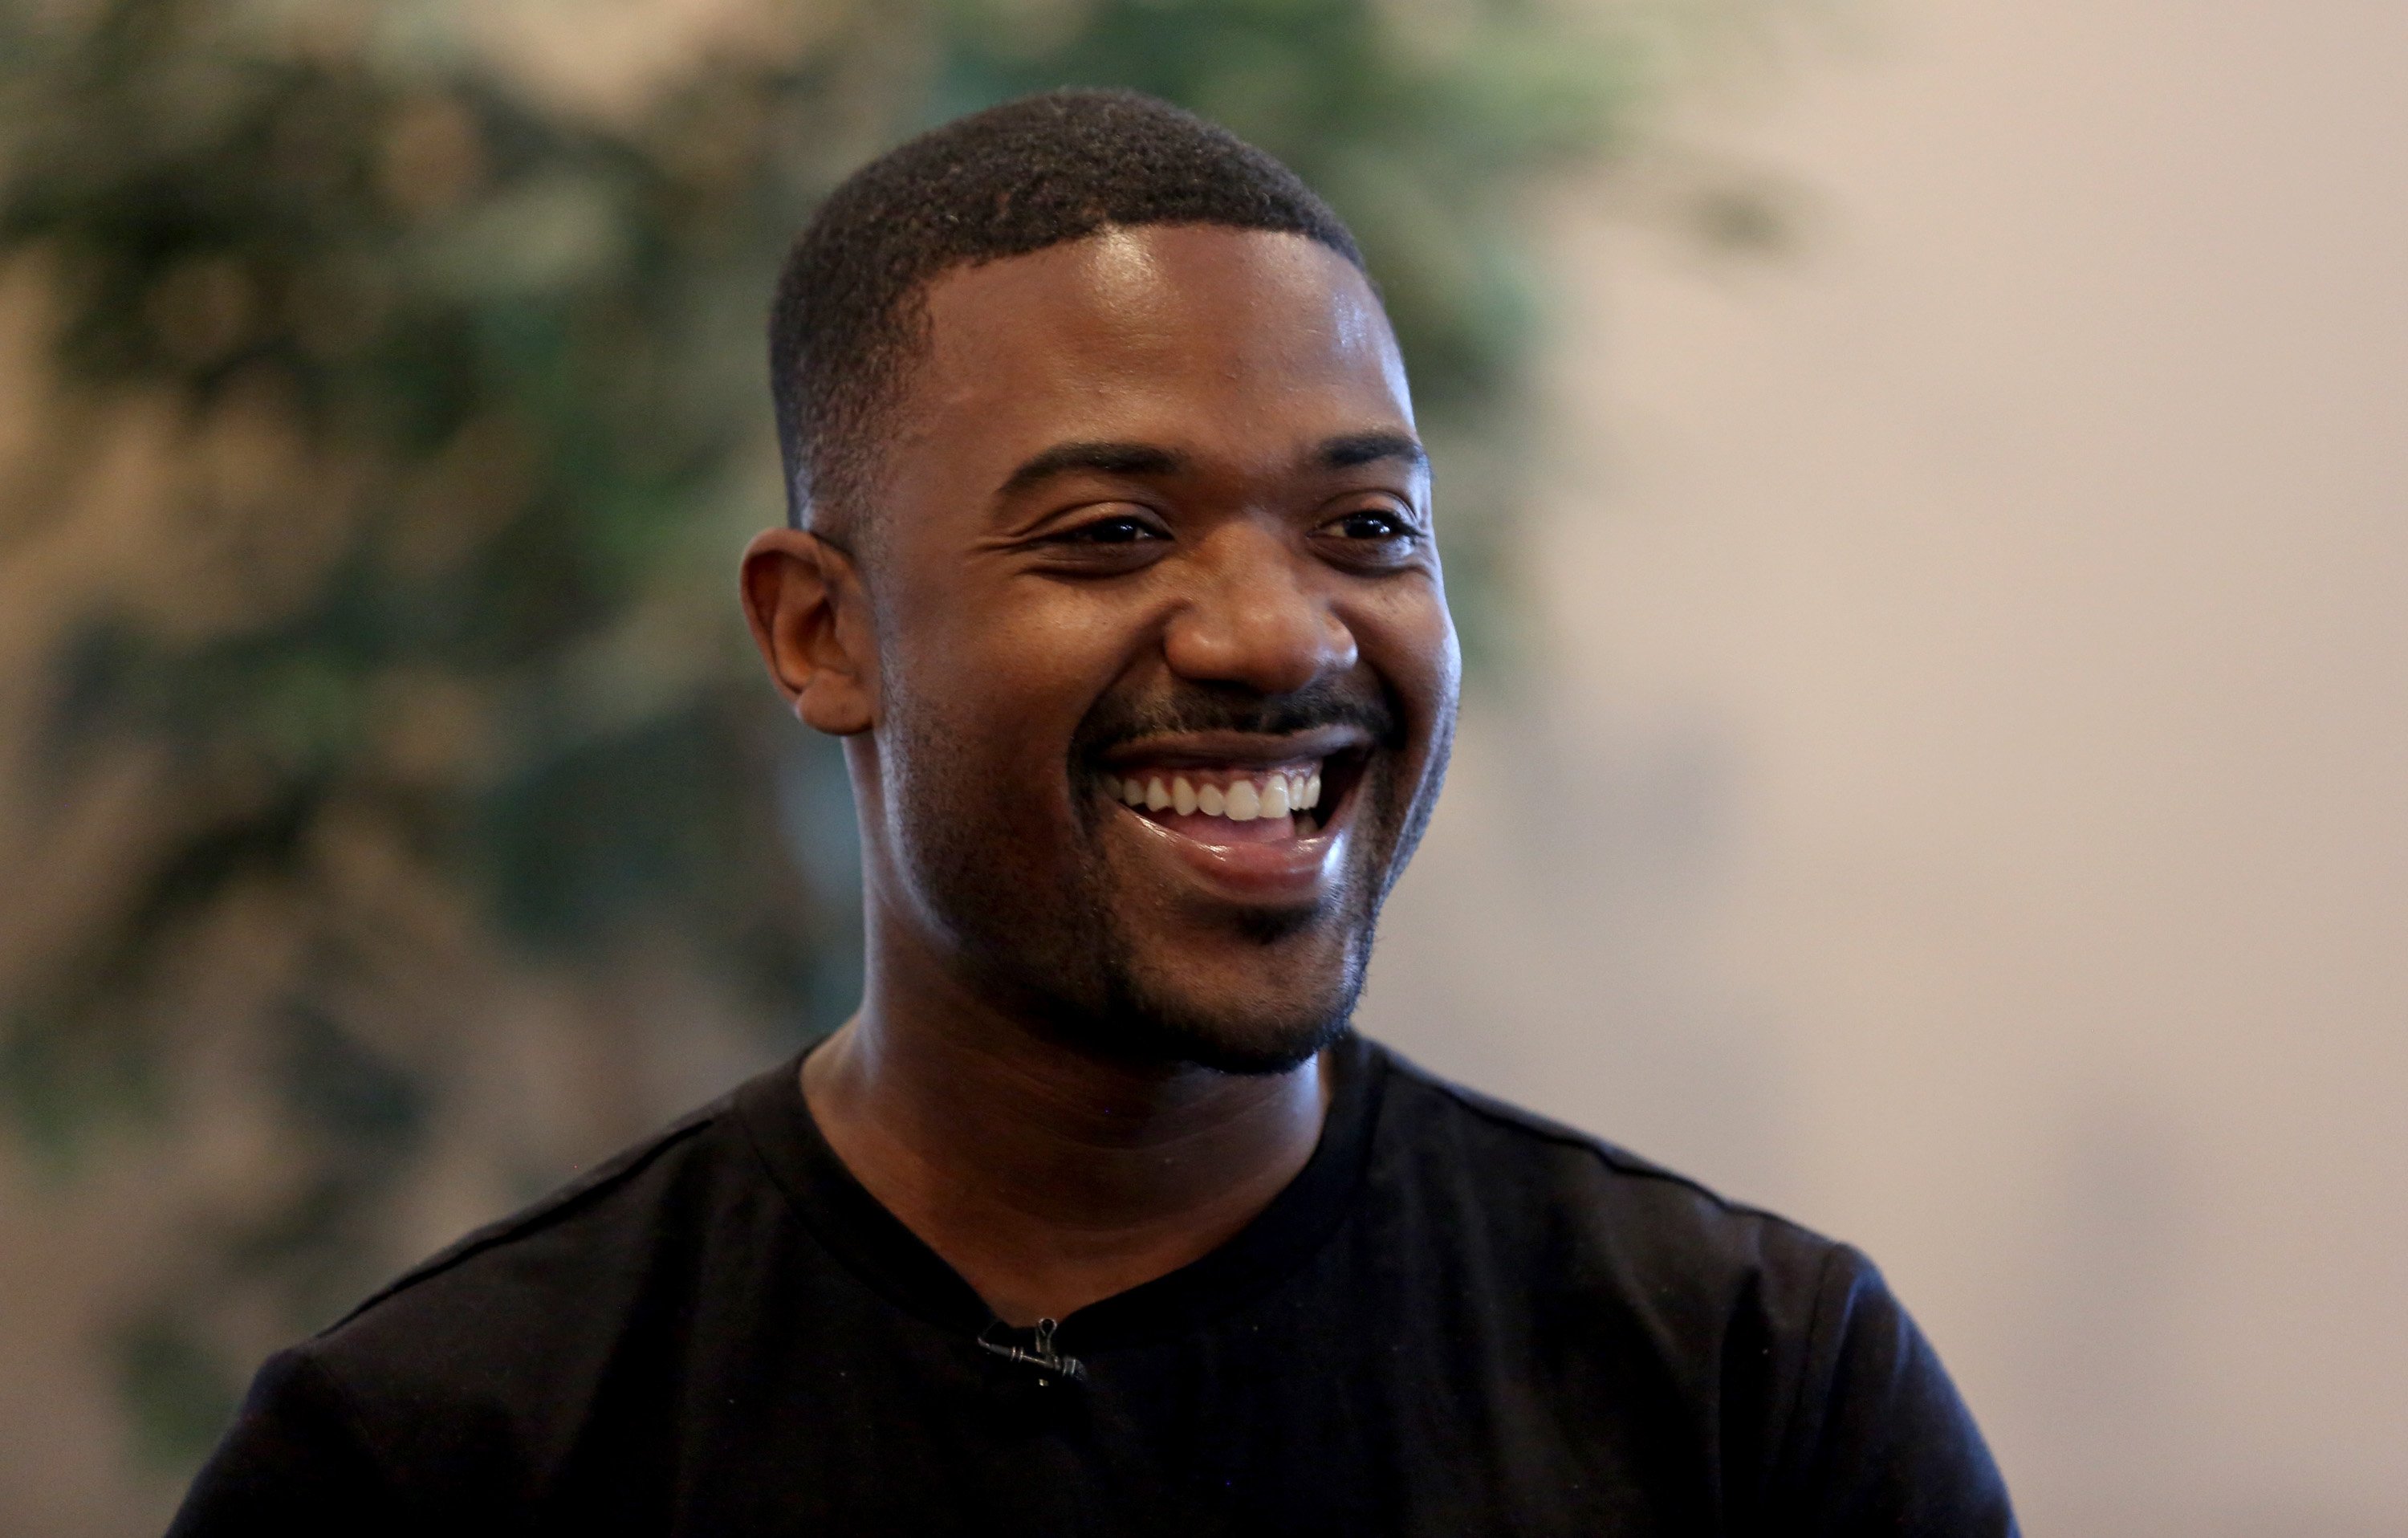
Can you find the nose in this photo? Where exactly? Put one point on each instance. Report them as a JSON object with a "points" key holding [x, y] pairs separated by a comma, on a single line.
{"points": [[1255, 617]]}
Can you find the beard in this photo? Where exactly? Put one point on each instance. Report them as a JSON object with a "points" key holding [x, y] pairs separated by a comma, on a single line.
{"points": [[1093, 955], [1150, 1020]]}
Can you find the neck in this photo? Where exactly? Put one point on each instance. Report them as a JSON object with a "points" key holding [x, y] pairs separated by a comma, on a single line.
{"points": [[1048, 1178]]}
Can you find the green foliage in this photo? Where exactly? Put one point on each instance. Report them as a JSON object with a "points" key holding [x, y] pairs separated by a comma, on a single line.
{"points": [[177, 1393], [478, 376]]}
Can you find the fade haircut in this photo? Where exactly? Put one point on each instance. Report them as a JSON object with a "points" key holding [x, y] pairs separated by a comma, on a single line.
{"points": [[851, 317]]}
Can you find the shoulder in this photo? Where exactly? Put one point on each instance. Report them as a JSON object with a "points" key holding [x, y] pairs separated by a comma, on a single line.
{"points": [[512, 1334], [1828, 1398], [1601, 1251], [1539, 1182], [580, 1235]]}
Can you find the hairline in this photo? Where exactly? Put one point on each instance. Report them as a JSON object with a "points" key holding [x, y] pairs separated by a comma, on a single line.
{"points": [[911, 320]]}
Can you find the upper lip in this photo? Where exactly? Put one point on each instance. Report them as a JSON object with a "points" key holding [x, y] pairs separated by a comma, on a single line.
{"points": [[1216, 748]]}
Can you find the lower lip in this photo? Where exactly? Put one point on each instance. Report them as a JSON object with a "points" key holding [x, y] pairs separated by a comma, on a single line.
{"points": [[1285, 870]]}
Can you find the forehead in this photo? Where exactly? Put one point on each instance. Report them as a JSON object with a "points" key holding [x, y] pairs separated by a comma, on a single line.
{"points": [[1234, 346]]}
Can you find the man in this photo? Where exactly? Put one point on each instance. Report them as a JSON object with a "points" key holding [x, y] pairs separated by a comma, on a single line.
{"points": [[1110, 561]]}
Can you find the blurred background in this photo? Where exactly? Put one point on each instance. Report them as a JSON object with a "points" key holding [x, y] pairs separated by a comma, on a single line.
{"points": [[1923, 487]]}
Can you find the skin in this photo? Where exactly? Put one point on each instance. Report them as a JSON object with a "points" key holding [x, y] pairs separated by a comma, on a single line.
{"points": [[1151, 498]]}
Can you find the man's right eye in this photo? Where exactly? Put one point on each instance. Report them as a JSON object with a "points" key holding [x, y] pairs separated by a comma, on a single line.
{"points": [[1122, 529]]}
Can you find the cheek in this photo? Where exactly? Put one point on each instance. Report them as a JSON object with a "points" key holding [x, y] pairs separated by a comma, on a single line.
{"points": [[1409, 639], [1000, 690]]}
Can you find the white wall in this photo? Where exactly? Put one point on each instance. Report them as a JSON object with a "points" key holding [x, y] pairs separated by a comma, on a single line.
{"points": [[1961, 799]]}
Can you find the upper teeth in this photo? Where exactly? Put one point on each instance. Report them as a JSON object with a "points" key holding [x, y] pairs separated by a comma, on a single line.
{"points": [[1241, 798]]}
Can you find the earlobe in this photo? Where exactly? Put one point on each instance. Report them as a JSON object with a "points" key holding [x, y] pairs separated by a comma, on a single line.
{"points": [[804, 602]]}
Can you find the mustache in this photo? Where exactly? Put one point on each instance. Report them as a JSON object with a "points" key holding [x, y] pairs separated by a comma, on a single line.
{"points": [[1235, 707]]}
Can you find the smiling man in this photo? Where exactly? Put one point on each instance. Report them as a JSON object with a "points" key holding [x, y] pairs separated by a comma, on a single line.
{"points": [[1110, 559]]}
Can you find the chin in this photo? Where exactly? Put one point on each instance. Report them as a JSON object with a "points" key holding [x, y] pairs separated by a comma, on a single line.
{"points": [[1237, 1028], [1223, 1046]]}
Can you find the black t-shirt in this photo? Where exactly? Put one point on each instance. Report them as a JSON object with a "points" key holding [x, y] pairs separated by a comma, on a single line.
{"points": [[1458, 1320]]}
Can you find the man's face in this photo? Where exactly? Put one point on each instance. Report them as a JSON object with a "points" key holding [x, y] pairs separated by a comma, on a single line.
{"points": [[1164, 677]]}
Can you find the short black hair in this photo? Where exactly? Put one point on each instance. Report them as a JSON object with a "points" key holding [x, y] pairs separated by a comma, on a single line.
{"points": [[1014, 179]]}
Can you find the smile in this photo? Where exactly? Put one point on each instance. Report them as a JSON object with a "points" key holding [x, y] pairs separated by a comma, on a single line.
{"points": [[1232, 804], [1262, 819]]}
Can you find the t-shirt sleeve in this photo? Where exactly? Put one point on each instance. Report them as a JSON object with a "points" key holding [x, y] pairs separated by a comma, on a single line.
{"points": [[1878, 1440], [294, 1462]]}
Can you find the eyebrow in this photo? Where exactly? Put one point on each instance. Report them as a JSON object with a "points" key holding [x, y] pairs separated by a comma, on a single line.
{"points": [[1102, 458], [1353, 449], [1343, 453]]}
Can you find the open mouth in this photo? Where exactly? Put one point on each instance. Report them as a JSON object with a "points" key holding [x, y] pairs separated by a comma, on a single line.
{"points": [[1224, 803]]}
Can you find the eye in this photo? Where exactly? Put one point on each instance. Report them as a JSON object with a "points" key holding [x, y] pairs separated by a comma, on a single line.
{"points": [[1372, 539], [1376, 523], [1108, 538], [1120, 528]]}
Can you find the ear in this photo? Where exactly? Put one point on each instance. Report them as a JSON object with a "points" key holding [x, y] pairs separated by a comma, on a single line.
{"points": [[811, 618]]}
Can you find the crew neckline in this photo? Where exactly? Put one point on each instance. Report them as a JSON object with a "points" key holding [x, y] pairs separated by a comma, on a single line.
{"points": [[858, 1229]]}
